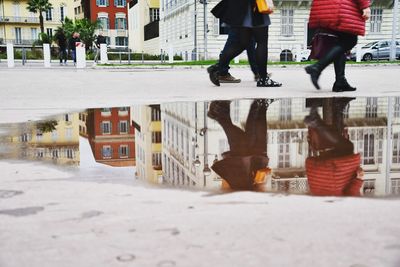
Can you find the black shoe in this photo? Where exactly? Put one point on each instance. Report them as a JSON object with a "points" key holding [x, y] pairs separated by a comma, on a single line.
{"points": [[213, 74], [314, 73], [342, 86], [257, 76], [313, 120], [219, 109], [267, 82], [228, 78]]}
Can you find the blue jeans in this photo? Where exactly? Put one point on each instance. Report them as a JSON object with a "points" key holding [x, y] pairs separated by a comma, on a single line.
{"points": [[233, 37]]}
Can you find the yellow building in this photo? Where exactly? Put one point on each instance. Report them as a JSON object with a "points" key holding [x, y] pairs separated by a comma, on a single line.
{"points": [[21, 27]]}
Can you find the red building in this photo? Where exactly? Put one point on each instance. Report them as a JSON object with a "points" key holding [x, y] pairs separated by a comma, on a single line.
{"points": [[112, 15], [111, 136]]}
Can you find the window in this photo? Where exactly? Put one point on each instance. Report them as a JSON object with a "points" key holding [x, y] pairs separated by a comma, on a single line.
{"points": [[68, 133], [49, 32], [102, 2], [34, 33], [156, 137], [69, 153], [155, 113], [67, 118], [395, 186], [156, 159], [287, 22], [106, 127], [123, 109], [372, 107], [154, 14], [120, 23], [107, 152], [283, 149], [123, 151], [104, 23], [62, 13], [120, 3], [49, 14], [376, 20], [123, 127], [121, 41], [396, 148], [369, 149], [18, 35], [55, 154], [54, 135], [285, 109], [396, 112]]}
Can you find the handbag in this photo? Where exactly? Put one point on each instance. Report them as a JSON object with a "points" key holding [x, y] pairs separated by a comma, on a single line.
{"points": [[265, 6], [321, 44]]}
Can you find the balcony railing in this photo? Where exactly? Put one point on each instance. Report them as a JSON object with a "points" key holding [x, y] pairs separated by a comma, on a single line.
{"points": [[151, 30], [12, 19], [28, 42]]}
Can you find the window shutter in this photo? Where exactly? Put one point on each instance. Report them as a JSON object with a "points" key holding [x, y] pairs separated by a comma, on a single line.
{"points": [[97, 2], [107, 3], [102, 127], [127, 151], [111, 129], [108, 23], [115, 2], [124, 3]]}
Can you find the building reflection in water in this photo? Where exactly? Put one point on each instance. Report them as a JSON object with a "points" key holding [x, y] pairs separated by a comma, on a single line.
{"points": [[55, 140]]}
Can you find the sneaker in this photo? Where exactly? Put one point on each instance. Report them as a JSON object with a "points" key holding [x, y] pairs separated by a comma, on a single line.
{"points": [[228, 78], [267, 82]]}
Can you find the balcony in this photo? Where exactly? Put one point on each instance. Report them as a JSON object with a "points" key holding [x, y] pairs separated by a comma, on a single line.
{"points": [[12, 19], [22, 42], [151, 30]]}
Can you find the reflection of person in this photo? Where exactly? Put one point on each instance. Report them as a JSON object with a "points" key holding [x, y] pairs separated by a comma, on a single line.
{"points": [[249, 23], [100, 39], [346, 20], [224, 76], [247, 160], [336, 170]]}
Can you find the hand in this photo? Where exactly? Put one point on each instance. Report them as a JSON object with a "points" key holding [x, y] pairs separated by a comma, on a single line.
{"points": [[366, 13], [360, 173]]}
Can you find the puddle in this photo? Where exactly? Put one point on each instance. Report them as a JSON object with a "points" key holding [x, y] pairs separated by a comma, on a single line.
{"points": [[320, 146]]}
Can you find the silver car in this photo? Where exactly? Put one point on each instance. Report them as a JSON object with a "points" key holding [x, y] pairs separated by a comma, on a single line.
{"points": [[376, 50]]}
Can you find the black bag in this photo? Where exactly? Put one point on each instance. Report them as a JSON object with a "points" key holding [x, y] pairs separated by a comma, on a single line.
{"points": [[322, 43]]}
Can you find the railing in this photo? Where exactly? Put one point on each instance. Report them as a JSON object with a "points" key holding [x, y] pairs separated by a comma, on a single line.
{"points": [[13, 19], [22, 42]]}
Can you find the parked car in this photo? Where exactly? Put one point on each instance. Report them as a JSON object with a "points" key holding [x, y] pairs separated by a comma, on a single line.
{"points": [[376, 50]]}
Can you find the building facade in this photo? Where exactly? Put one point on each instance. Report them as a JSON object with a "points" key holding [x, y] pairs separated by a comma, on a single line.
{"points": [[111, 136], [112, 16], [148, 148], [144, 19], [21, 27], [183, 29]]}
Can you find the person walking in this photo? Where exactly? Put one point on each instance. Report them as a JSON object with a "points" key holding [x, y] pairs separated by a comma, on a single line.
{"points": [[345, 19], [247, 161], [244, 18], [224, 76], [100, 39], [62, 46], [72, 45]]}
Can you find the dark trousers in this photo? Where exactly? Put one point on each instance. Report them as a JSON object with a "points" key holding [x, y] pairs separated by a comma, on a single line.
{"points": [[233, 37], [253, 139], [336, 55], [63, 55], [246, 35]]}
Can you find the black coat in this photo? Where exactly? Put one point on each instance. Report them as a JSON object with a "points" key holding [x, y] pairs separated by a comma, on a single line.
{"points": [[233, 12]]}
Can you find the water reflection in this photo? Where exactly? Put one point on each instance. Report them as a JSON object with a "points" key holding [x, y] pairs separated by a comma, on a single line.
{"points": [[328, 146]]}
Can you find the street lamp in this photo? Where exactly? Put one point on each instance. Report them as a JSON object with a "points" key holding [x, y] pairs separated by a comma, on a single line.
{"points": [[393, 47], [205, 25]]}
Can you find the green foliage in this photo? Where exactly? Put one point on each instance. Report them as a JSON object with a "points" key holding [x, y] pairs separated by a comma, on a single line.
{"points": [[84, 27], [46, 126], [39, 6]]}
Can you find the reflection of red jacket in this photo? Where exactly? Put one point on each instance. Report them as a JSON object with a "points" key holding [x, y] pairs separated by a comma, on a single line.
{"points": [[334, 177], [339, 15]]}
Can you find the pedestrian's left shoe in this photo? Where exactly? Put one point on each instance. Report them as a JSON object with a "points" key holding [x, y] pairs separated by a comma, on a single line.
{"points": [[342, 86], [267, 82], [213, 74], [257, 76], [228, 78]]}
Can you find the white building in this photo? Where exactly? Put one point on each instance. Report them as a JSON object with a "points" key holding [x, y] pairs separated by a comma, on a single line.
{"points": [[143, 17], [182, 27]]}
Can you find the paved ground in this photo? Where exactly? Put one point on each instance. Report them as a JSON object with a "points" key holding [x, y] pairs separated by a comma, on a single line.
{"points": [[60, 88]]}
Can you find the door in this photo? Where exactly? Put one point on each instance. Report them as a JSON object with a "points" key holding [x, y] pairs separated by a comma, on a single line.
{"points": [[18, 36]]}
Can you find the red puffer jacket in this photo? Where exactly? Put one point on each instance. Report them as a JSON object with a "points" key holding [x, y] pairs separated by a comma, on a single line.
{"points": [[339, 15]]}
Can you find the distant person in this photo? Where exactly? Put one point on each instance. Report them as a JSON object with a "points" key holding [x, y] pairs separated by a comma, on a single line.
{"points": [[345, 19], [72, 45], [100, 39], [62, 46], [250, 25], [334, 169], [244, 167]]}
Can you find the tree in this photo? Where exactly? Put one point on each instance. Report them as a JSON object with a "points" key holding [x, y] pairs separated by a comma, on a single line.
{"points": [[39, 6], [84, 27]]}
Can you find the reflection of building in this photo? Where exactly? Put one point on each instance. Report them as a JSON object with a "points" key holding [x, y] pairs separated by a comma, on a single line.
{"points": [[147, 123], [111, 15], [82, 123], [111, 136], [61, 146], [191, 142], [144, 19], [21, 27]]}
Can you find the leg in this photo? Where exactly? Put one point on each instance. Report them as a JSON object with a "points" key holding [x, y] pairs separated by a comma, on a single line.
{"points": [[256, 127], [251, 56], [345, 42], [232, 38]]}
